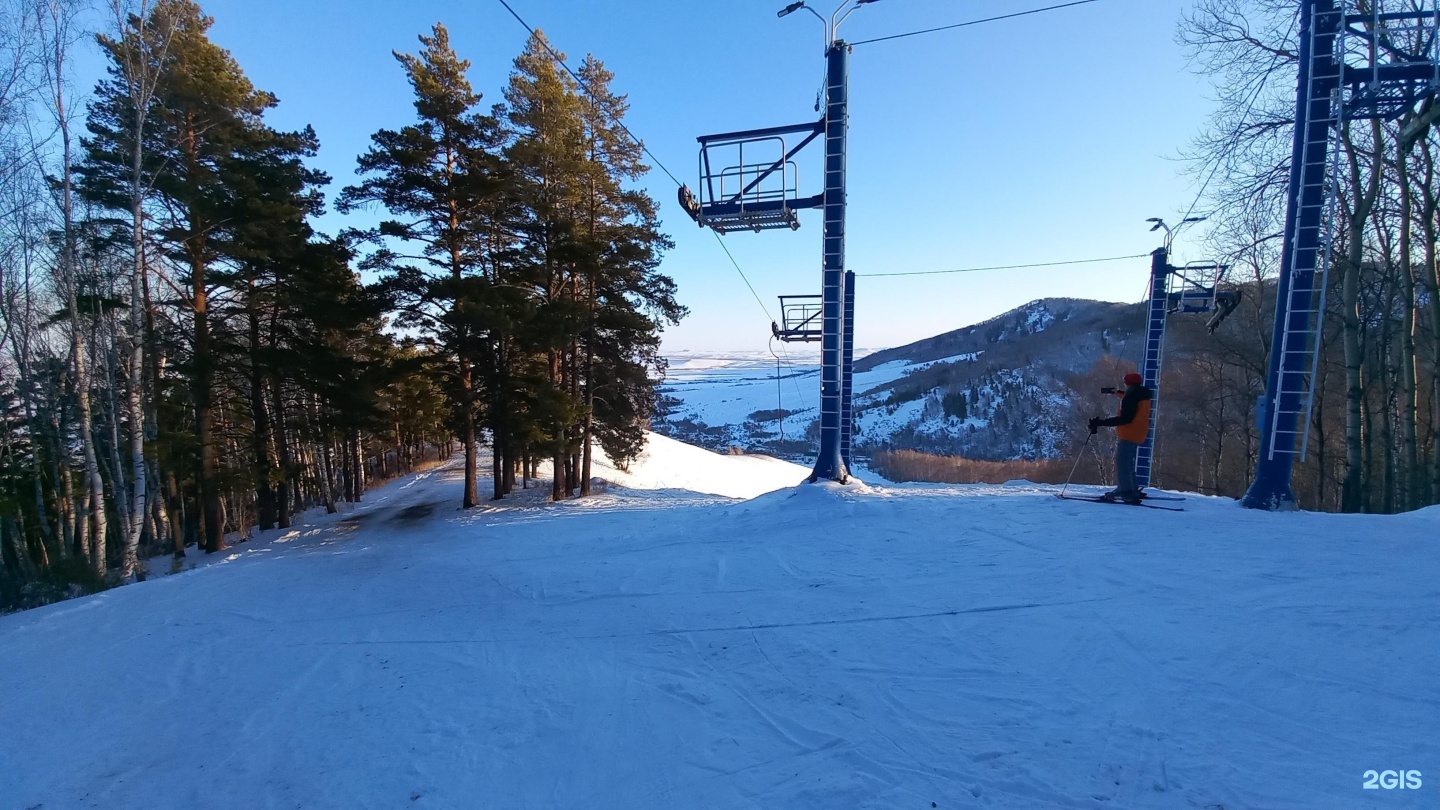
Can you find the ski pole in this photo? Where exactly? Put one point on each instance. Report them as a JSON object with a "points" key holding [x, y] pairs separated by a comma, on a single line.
{"points": [[1076, 465], [1100, 465]]}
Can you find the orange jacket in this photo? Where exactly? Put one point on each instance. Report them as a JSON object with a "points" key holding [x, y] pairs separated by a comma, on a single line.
{"points": [[1138, 430], [1132, 423]]}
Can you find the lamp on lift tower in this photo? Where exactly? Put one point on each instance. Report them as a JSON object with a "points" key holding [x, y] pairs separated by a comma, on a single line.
{"points": [[831, 26], [1170, 233]]}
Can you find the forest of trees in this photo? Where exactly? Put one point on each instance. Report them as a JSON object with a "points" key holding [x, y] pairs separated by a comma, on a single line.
{"points": [[184, 358]]}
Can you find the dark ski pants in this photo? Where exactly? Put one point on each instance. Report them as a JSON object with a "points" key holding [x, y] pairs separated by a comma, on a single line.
{"points": [[1125, 468]]}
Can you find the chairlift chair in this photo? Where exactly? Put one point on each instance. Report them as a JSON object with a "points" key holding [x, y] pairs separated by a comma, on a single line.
{"points": [[749, 180], [800, 319]]}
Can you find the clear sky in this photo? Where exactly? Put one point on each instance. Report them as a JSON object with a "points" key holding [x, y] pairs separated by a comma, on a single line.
{"points": [[1043, 138]]}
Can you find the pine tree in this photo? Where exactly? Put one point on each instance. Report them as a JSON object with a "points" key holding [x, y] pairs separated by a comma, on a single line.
{"points": [[628, 301], [548, 156], [277, 268], [593, 245], [439, 179]]}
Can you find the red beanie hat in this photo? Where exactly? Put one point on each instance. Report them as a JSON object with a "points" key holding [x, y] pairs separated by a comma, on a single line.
{"points": [[1133, 379]]}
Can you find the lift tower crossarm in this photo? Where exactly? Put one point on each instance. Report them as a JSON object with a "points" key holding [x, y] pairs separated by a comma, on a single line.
{"points": [[746, 134]]}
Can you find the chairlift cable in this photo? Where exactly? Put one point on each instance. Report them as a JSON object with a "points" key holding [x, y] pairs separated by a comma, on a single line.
{"points": [[972, 22], [586, 88], [743, 277], [1004, 267], [779, 390]]}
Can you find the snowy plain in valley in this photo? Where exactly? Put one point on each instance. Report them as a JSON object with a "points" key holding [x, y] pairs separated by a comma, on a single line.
{"points": [[724, 388], [667, 645]]}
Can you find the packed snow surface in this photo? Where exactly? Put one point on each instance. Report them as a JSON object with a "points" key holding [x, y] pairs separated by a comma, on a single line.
{"points": [[815, 647]]}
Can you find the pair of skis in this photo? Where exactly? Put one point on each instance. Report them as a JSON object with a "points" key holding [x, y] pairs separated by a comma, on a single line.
{"points": [[1061, 494], [1092, 499]]}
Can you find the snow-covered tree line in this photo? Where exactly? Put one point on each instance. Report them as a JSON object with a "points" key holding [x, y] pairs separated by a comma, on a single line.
{"points": [[185, 358]]}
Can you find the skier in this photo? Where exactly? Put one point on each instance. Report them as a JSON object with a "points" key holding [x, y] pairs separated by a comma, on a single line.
{"points": [[1132, 427]]}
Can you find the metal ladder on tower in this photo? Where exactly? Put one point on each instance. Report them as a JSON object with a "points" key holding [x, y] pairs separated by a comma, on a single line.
{"points": [[1311, 257], [1172, 290], [1154, 354]]}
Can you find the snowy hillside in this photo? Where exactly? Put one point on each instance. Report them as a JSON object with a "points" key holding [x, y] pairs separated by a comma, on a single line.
{"points": [[815, 647], [993, 390]]}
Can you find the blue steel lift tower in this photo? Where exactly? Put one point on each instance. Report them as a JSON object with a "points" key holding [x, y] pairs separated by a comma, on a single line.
{"points": [[1193, 288], [1394, 66], [764, 194]]}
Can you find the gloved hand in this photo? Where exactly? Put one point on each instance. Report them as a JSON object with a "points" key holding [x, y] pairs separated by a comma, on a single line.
{"points": [[1094, 426]]}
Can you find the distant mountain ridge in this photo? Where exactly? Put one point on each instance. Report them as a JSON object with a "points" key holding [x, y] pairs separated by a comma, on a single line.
{"points": [[1068, 315], [996, 390]]}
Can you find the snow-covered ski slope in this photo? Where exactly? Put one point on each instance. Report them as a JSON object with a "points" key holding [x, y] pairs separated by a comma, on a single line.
{"points": [[815, 647]]}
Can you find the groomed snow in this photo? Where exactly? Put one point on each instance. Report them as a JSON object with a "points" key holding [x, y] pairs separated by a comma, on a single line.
{"points": [[816, 647]]}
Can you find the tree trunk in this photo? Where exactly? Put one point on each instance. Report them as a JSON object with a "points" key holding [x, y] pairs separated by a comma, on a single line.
{"points": [[1409, 453], [212, 527], [135, 395], [587, 442], [471, 497], [260, 420], [141, 88], [361, 473], [347, 476], [122, 493], [282, 449], [175, 511], [1363, 193], [326, 478], [1430, 209], [96, 486], [497, 464]]}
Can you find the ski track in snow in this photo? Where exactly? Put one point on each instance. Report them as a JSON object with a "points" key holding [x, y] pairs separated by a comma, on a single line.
{"points": [[814, 647]]}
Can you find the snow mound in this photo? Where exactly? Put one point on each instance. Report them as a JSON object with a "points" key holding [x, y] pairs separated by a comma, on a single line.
{"points": [[668, 464]]}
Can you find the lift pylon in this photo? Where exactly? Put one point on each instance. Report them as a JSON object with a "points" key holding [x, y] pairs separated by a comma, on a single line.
{"points": [[756, 187], [830, 463], [1192, 289], [1354, 65]]}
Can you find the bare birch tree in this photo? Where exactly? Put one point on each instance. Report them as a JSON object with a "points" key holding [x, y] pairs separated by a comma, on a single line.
{"points": [[57, 33]]}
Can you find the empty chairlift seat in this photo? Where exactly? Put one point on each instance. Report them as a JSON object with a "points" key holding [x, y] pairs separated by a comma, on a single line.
{"points": [[749, 180], [800, 319]]}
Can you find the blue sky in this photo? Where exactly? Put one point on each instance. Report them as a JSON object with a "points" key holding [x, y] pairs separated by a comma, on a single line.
{"points": [[1043, 138]]}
